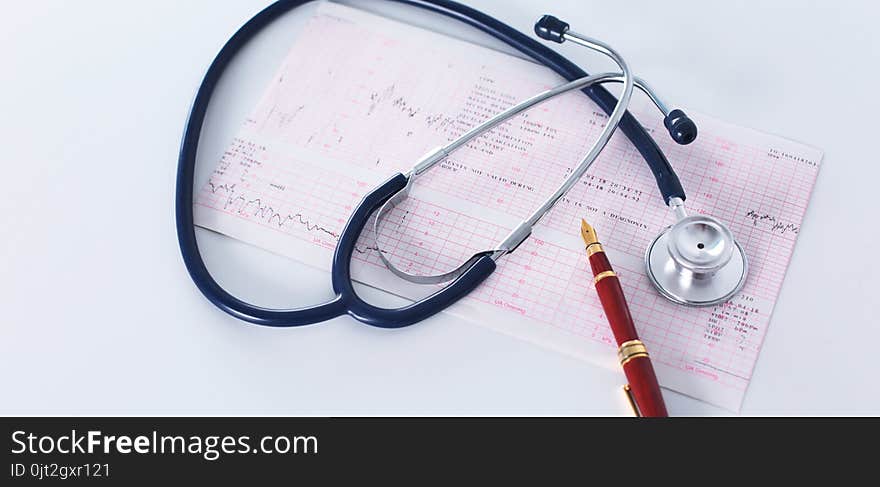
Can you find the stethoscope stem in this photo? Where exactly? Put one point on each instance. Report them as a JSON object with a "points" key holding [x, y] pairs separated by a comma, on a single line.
{"points": [[677, 206]]}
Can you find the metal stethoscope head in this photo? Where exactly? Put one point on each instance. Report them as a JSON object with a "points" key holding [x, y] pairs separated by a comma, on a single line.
{"points": [[696, 261]]}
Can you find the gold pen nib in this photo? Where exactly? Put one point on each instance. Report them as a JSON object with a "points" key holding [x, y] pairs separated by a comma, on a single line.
{"points": [[588, 234], [591, 240]]}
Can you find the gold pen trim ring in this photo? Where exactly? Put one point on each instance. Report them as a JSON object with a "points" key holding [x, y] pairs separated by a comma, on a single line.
{"points": [[593, 248], [603, 275], [630, 350]]}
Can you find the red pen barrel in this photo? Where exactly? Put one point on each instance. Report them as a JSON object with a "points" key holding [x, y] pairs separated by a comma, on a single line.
{"points": [[633, 355], [612, 298], [644, 387]]}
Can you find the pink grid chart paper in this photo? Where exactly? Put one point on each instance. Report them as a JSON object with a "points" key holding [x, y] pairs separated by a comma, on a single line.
{"points": [[361, 97]]}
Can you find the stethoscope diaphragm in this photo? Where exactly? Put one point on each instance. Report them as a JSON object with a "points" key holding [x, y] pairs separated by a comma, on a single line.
{"points": [[696, 262]]}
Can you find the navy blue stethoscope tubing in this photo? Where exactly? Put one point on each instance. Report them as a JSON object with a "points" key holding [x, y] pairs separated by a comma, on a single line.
{"points": [[346, 300]]}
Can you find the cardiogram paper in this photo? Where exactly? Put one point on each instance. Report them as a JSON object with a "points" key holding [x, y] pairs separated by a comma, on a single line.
{"points": [[361, 97]]}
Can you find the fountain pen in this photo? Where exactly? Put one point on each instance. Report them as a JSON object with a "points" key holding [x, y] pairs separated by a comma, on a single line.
{"points": [[643, 391]]}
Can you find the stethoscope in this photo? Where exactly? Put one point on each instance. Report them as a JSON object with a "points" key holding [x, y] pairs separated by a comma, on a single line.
{"points": [[696, 261]]}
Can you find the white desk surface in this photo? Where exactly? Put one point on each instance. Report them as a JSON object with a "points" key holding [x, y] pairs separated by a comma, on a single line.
{"points": [[100, 317]]}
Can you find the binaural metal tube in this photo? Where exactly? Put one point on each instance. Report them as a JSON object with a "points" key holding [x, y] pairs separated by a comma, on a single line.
{"points": [[437, 155], [524, 229], [441, 153], [645, 88]]}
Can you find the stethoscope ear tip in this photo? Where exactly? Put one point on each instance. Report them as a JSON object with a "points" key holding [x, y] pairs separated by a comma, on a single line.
{"points": [[550, 28], [681, 128]]}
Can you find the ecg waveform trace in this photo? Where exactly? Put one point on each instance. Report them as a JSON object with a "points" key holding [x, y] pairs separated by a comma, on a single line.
{"points": [[360, 97]]}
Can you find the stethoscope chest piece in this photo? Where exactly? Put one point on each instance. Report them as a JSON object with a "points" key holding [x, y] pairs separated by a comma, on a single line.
{"points": [[696, 262]]}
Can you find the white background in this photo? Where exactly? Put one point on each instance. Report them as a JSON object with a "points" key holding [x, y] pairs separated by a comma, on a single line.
{"points": [[99, 316]]}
